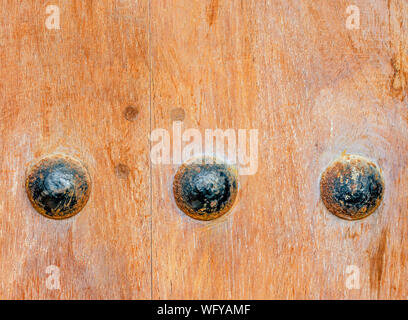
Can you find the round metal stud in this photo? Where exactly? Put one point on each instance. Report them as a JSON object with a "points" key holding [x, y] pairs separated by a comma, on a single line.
{"points": [[58, 186], [352, 187], [205, 188]]}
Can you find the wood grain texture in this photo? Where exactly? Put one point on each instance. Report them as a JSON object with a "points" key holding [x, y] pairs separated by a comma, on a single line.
{"points": [[313, 88], [290, 69], [65, 91]]}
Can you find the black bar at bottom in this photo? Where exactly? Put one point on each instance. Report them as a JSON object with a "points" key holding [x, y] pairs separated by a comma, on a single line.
{"points": [[205, 309]]}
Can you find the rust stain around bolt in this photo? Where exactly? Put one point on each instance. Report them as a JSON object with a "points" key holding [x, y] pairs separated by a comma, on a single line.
{"points": [[205, 189], [352, 187], [58, 186]]}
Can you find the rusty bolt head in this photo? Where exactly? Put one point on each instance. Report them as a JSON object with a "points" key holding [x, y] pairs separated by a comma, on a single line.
{"points": [[205, 188], [352, 187], [58, 186]]}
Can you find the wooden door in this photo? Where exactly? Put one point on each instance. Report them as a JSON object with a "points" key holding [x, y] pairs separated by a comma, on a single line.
{"points": [[66, 90], [314, 78]]}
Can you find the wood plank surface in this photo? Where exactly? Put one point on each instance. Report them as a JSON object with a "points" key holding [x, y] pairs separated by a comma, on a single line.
{"points": [[313, 88], [66, 91], [115, 70]]}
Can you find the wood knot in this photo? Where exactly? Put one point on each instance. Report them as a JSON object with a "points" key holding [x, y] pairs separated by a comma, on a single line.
{"points": [[399, 79], [130, 113]]}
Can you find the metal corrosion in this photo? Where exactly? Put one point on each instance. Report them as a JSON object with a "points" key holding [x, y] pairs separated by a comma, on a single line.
{"points": [[205, 189], [58, 186], [352, 187]]}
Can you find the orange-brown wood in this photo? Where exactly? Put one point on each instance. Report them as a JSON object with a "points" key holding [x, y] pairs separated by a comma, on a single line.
{"points": [[313, 88], [115, 70], [66, 91]]}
